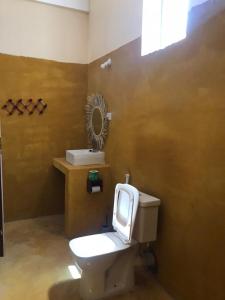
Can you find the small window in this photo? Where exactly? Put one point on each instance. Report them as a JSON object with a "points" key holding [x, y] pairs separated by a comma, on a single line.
{"points": [[164, 23]]}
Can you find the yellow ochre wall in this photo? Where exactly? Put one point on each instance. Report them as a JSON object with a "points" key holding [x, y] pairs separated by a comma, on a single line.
{"points": [[32, 187], [168, 131]]}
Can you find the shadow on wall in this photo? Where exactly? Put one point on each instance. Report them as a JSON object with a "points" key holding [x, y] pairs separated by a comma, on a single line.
{"points": [[202, 13], [64, 290]]}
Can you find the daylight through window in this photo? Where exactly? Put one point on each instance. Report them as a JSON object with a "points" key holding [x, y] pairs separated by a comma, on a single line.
{"points": [[164, 23]]}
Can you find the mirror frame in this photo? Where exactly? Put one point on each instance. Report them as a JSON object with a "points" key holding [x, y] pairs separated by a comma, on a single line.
{"points": [[96, 102]]}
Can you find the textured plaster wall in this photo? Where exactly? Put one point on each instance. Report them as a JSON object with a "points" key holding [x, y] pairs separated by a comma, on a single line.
{"points": [[32, 187], [168, 131]]}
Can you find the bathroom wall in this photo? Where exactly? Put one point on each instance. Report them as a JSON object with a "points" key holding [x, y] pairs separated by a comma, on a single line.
{"points": [[29, 28], [32, 187], [113, 24], [168, 131]]}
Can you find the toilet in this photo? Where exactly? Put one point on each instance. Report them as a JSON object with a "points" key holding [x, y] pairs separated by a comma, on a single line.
{"points": [[106, 260]]}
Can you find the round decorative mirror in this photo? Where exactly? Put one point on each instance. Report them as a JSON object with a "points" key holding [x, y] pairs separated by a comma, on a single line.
{"points": [[97, 121]]}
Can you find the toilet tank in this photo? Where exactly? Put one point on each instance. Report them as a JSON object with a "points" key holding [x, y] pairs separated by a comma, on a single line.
{"points": [[145, 228]]}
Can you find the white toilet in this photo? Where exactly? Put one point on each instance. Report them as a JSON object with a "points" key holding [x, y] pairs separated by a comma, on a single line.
{"points": [[106, 260]]}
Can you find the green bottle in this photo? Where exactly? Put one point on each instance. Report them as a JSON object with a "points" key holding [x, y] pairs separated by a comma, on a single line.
{"points": [[93, 175]]}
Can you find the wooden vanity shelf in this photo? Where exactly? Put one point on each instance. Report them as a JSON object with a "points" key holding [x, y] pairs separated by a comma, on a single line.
{"points": [[84, 212]]}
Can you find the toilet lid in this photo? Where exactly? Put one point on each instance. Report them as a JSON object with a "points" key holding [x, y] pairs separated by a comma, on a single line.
{"points": [[97, 244], [125, 210]]}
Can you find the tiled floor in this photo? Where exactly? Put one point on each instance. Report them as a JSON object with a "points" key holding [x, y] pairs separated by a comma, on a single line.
{"points": [[35, 266]]}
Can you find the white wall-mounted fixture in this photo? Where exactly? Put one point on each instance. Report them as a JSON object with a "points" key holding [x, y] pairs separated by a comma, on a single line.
{"points": [[109, 116], [81, 5], [107, 64]]}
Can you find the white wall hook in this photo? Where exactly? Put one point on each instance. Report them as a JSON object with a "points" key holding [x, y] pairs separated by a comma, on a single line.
{"points": [[107, 64]]}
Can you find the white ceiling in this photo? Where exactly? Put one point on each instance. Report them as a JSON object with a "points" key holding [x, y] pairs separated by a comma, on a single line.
{"points": [[84, 5], [81, 5]]}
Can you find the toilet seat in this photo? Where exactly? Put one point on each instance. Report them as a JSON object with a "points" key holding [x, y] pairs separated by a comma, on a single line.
{"points": [[124, 211], [97, 245]]}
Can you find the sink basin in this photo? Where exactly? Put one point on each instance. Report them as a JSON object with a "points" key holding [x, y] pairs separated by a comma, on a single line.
{"points": [[85, 157]]}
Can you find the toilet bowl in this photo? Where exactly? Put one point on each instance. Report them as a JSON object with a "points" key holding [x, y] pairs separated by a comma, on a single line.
{"points": [[107, 260], [95, 254]]}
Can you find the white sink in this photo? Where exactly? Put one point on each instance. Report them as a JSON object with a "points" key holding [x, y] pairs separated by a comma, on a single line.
{"points": [[85, 157]]}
